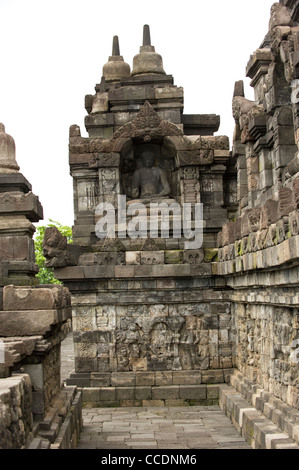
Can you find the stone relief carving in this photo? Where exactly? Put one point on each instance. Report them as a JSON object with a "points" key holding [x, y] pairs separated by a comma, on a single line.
{"points": [[57, 251], [194, 256], [196, 157], [169, 343], [190, 173], [147, 124]]}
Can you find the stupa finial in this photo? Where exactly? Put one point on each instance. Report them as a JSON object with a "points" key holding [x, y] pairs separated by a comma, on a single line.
{"points": [[146, 35], [115, 46]]}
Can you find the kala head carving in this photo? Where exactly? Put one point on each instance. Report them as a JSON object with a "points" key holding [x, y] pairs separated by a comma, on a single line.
{"points": [[57, 251], [54, 248]]}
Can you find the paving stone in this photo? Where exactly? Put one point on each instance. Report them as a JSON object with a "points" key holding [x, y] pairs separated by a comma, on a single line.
{"points": [[159, 428]]}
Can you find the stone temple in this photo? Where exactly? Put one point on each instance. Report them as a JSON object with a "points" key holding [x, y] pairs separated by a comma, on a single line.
{"points": [[159, 317], [146, 305]]}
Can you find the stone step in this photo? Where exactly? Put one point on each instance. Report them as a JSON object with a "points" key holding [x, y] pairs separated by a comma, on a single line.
{"points": [[36, 443], [61, 427], [70, 430], [59, 409], [168, 395], [52, 433], [277, 411], [259, 431], [149, 378]]}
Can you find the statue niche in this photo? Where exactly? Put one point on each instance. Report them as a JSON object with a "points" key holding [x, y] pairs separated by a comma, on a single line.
{"points": [[148, 173]]}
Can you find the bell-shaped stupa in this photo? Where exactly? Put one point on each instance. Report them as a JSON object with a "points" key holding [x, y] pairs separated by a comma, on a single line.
{"points": [[8, 163], [147, 61], [116, 68]]}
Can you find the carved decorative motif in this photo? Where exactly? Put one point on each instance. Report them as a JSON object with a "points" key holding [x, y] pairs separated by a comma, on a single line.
{"points": [[112, 245], [194, 256], [56, 250], [196, 157], [149, 245], [146, 125], [190, 173]]}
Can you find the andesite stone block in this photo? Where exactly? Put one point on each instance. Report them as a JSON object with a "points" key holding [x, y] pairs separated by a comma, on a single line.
{"points": [[31, 322], [26, 298]]}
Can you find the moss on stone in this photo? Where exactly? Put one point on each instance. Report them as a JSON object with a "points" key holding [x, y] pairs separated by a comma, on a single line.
{"points": [[210, 254]]}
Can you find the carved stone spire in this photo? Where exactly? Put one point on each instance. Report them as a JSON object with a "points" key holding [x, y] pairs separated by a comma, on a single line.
{"points": [[8, 163], [115, 46], [146, 35], [147, 61], [116, 68]]}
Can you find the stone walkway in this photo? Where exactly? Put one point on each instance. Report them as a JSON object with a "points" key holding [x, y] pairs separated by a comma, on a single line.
{"points": [[159, 428], [193, 427]]}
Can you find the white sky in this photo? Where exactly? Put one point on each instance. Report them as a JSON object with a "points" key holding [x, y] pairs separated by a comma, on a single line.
{"points": [[53, 51]]}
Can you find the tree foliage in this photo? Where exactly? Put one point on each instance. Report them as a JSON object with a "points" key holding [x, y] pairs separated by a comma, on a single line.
{"points": [[46, 275]]}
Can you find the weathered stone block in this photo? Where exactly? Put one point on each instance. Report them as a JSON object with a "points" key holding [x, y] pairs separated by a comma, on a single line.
{"points": [[133, 257], [163, 392], [163, 378], [212, 376], [228, 234], [42, 298], [124, 271], [125, 393], [193, 256], [143, 393], [16, 248], [269, 213], [20, 203], [188, 377], [85, 364], [107, 393], [285, 205], [28, 322], [173, 256], [193, 392], [91, 394], [119, 379], [145, 378], [151, 257], [100, 379]]}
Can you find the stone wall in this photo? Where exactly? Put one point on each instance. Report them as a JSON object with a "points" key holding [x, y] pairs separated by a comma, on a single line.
{"points": [[16, 423], [153, 325], [259, 249]]}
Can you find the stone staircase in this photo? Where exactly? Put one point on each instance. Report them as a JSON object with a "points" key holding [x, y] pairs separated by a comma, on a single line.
{"points": [[263, 420], [61, 426]]}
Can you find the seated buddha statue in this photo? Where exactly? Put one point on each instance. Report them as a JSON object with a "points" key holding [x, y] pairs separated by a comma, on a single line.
{"points": [[149, 181]]}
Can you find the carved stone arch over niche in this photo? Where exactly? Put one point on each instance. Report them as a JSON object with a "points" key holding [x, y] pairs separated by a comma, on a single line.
{"points": [[147, 133]]}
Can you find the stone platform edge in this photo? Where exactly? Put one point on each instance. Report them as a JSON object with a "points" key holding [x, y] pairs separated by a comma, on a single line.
{"points": [[144, 396], [150, 388], [149, 378]]}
